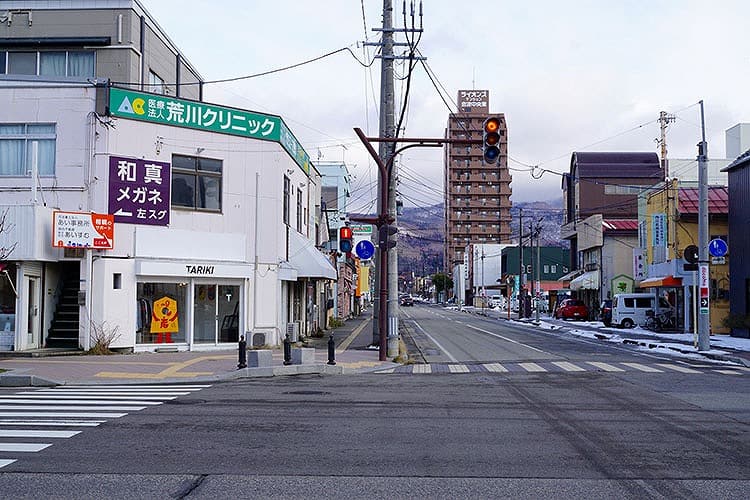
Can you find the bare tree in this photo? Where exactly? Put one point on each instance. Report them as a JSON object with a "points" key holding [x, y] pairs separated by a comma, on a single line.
{"points": [[5, 227]]}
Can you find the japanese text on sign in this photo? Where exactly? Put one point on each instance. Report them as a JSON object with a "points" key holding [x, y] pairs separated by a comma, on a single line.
{"points": [[83, 230], [139, 191]]}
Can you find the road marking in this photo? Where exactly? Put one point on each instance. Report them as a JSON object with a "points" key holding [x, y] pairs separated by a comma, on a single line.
{"points": [[678, 368], [53, 423], [643, 368], [44, 407], [532, 367], [495, 367], [24, 447], [73, 414], [23, 433], [348, 340], [422, 369], [605, 366], [728, 372], [570, 367], [458, 368], [96, 393], [450, 356], [97, 397], [506, 339], [5, 461], [389, 370], [78, 402], [149, 387]]}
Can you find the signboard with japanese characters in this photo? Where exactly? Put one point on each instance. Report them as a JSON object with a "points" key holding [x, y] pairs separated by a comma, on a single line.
{"points": [[704, 280], [139, 191], [83, 230], [659, 230], [198, 115], [474, 101]]}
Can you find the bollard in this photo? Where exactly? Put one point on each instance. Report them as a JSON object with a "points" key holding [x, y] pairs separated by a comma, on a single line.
{"points": [[242, 353], [331, 351], [287, 350]]}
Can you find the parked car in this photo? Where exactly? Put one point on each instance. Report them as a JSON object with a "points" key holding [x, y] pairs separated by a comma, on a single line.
{"points": [[407, 300], [572, 309], [605, 312], [629, 309]]}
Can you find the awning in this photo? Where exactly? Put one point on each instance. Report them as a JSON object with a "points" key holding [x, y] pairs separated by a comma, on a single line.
{"points": [[586, 281], [308, 260], [661, 281], [572, 274]]}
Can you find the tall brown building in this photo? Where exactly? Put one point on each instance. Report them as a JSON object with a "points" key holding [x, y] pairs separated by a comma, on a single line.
{"points": [[477, 194]]}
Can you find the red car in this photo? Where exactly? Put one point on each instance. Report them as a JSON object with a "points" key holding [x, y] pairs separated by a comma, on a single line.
{"points": [[571, 309]]}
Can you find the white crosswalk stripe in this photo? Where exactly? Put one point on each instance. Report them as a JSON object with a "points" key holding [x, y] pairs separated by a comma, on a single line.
{"points": [[568, 367], [34, 414], [678, 368], [643, 368], [495, 367], [605, 366], [728, 372], [532, 367]]}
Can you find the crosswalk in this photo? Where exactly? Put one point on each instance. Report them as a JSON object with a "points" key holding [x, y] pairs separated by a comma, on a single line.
{"points": [[563, 367], [33, 420]]}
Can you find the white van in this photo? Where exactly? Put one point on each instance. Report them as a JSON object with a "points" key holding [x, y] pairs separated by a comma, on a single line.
{"points": [[629, 309]]}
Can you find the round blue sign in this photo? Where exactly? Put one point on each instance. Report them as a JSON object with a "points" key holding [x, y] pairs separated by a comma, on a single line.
{"points": [[718, 247], [364, 249]]}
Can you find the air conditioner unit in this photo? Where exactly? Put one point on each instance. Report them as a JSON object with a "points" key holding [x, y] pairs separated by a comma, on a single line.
{"points": [[292, 329]]}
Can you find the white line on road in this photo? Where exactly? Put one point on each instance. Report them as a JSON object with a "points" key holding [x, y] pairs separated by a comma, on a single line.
{"points": [[88, 396], [728, 372], [507, 339], [77, 402], [53, 423], [146, 387], [450, 356], [72, 414], [24, 447], [495, 367], [605, 366], [532, 367], [678, 368], [119, 393], [643, 368], [44, 407], [569, 367], [25, 433], [458, 368], [5, 461]]}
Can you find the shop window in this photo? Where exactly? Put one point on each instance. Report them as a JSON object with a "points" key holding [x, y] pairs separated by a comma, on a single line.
{"points": [[7, 306], [196, 183], [22, 143], [161, 315]]}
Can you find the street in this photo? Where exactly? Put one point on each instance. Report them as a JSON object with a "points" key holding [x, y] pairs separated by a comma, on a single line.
{"points": [[624, 425]]}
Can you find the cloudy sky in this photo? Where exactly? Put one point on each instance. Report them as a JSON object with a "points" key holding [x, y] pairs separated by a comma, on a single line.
{"points": [[570, 76]]}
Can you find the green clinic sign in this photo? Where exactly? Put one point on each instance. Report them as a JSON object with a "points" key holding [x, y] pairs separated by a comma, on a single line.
{"points": [[198, 115]]}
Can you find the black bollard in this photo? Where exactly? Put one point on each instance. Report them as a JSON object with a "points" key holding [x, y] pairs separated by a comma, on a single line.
{"points": [[331, 351], [242, 353], [287, 350]]}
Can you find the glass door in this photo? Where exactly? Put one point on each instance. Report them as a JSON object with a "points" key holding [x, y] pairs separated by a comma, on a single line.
{"points": [[32, 318], [229, 313], [204, 314]]}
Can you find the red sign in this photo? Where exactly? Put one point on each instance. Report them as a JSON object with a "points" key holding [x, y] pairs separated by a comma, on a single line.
{"points": [[83, 230]]}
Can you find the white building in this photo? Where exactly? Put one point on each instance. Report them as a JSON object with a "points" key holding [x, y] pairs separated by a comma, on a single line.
{"points": [[216, 221]]}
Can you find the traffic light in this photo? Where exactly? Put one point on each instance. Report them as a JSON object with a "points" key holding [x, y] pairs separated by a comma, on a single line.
{"points": [[491, 140], [345, 239], [385, 239]]}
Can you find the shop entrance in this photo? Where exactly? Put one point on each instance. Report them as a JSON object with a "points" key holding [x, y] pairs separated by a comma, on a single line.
{"points": [[32, 316], [216, 313]]}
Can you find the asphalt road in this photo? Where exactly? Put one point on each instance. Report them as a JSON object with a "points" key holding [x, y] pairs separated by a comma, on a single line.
{"points": [[520, 433]]}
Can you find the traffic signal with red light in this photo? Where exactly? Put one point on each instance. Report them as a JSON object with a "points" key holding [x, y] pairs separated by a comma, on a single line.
{"points": [[345, 239], [491, 140]]}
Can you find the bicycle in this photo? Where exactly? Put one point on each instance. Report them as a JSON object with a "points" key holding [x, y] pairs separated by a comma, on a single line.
{"points": [[658, 322]]}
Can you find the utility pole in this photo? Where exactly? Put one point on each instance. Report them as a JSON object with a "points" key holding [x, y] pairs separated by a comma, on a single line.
{"points": [[664, 120], [520, 262], [538, 266], [704, 277]]}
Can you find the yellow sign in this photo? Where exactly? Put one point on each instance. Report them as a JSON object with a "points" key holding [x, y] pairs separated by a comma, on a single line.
{"points": [[164, 318]]}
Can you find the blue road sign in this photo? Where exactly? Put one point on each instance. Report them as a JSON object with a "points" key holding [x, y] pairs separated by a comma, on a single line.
{"points": [[718, 247], [364, 249]]}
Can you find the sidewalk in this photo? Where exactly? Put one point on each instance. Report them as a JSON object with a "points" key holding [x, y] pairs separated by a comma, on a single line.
{"points": [[352, 356], [723, 347]]}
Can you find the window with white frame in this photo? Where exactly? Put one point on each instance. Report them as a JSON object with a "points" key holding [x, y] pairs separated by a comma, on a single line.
{"points": [[67, 63], [23, 144], [156, 83]]}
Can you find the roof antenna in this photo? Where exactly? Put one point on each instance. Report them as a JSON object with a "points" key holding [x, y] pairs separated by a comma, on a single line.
{"points": [[474, 78]]}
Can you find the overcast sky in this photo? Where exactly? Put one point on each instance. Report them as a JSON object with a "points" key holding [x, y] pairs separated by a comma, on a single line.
{"points": [[569, 76]]}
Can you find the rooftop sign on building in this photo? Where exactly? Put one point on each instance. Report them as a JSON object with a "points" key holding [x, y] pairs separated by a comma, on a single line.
{"points": [[168, 110], [474, 101]]}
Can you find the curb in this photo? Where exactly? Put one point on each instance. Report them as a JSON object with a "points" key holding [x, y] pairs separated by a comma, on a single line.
{"points": [[14, 380]]}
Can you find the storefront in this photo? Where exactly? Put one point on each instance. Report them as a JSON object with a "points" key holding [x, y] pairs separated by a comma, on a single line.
{"points": [[190, 305]]}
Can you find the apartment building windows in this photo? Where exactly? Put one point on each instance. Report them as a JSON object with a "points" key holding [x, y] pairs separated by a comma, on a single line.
{"points": [[22, 143], [196, 183], [67, 63]]}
